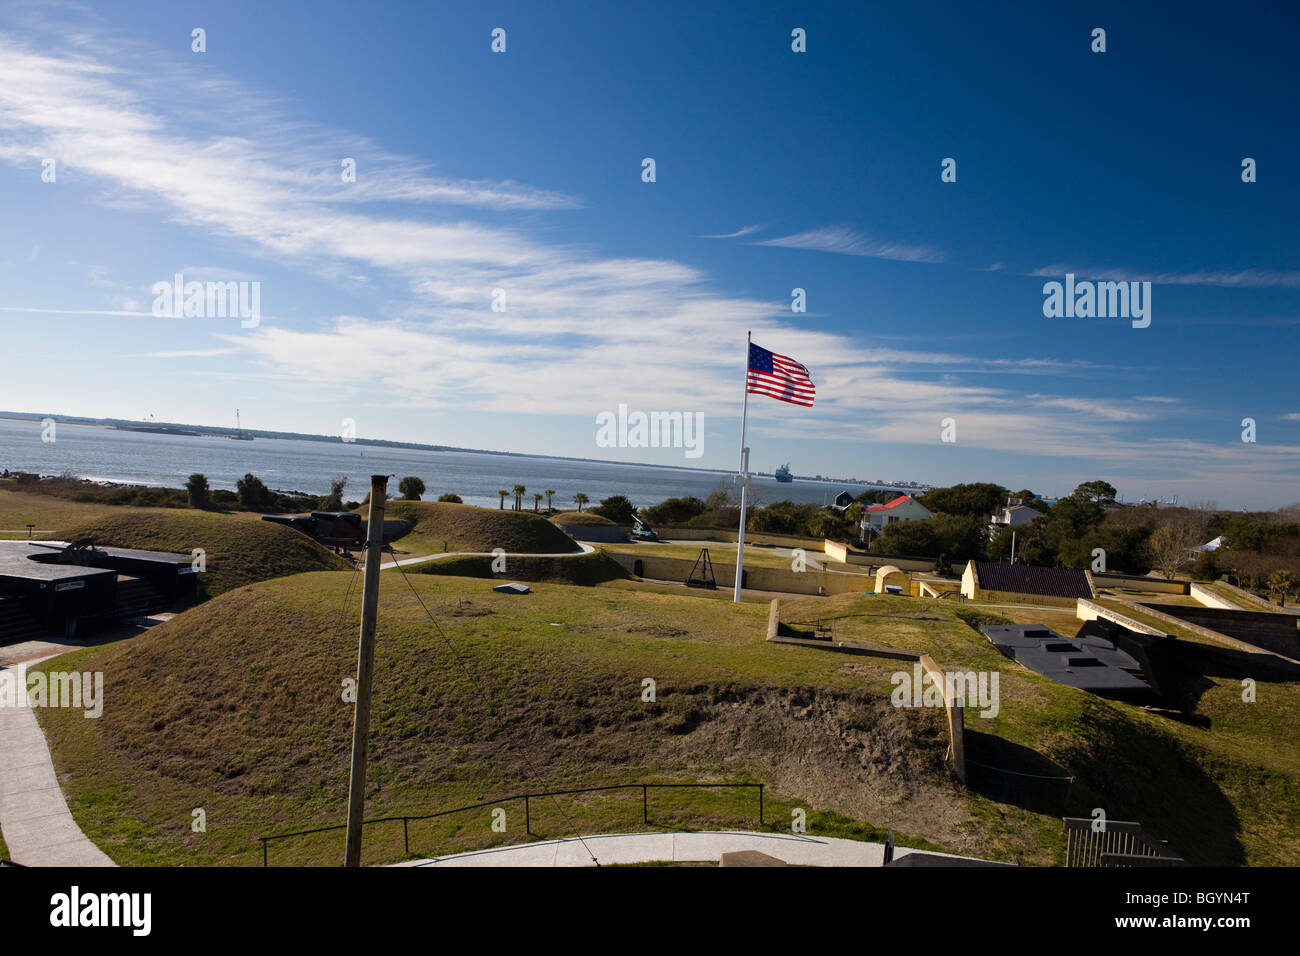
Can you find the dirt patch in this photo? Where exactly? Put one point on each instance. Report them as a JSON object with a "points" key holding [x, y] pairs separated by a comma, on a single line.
{"points": [[658, 630]]}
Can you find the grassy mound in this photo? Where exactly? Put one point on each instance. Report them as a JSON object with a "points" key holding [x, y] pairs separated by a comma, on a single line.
{"points": [[583, 518], [587, 569], [236, 706], [239, 549], [469, 528]]}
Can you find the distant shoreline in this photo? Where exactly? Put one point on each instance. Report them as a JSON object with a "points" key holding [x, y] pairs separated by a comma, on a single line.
{"points": [[210, 431]]}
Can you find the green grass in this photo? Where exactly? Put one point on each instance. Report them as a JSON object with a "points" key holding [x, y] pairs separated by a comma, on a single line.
{"points": [[441, 526], [587, 569], [48, 513], [4, 849], [239, 549], [580, 518], [724, 553], [235, 706]]}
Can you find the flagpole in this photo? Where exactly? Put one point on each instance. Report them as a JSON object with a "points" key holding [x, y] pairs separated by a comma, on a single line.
{"points": [[744, 478]]}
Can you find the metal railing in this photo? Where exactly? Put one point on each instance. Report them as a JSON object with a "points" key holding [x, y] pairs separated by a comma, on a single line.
{"points": [[527, 798], [1113, 843]]}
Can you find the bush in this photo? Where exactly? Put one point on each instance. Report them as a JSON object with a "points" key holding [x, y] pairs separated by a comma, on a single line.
{"points": [[200, 494], [448, 497], [412, 487], [675, 510], [617, 509], [334, 502], [253, 495]]}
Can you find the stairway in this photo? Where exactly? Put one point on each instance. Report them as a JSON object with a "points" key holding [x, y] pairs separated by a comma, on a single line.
{"points": [[137, 597]]}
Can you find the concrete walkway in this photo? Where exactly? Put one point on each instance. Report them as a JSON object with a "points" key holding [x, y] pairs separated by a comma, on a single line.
{"points": [[386, 561], [37, 825], [797, 849]]}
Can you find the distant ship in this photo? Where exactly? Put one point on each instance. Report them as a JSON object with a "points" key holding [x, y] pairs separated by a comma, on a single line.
{"points": [[239, 431], [783, 473]]}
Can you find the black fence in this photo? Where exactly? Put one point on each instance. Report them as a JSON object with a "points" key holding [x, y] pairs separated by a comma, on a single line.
{"points": [[527, 798]]}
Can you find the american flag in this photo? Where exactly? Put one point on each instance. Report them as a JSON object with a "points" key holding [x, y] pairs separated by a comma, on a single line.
{"points": [[778, 376]]}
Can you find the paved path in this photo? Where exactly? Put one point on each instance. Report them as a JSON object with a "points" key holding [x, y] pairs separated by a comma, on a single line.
{"points": [[386, 561], [800, 849], [37, 824]]}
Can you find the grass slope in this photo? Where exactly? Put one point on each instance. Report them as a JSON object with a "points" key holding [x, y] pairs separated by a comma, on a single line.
{"points": [[239, 548], [469, 528], [586, 569], [581, 518], [235, 706]]}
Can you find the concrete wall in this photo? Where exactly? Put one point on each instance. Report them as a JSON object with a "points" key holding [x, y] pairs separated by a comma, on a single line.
{"points": [[839, 552], [594, 532], [1139, 583], [956, 718], [1209, 599], [1273, 632], [691, 533], [1088, 611], [758, 578]]}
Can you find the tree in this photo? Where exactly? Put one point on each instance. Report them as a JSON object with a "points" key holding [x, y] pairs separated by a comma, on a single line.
{"points": [[537, 498], [1281, 582], [198, 491], [616, 508], [335, 500], [519, 496], [980, 499], [853, 515], [580, 499], [502, 492], [1094, 491], [1169, 546], [675, 510], [411, 488], [253, 495], [451, 498], [826, 524], [549, 492]]}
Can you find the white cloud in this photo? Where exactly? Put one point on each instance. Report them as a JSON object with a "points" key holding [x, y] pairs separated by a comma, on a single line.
{"points": [[849, 242]]}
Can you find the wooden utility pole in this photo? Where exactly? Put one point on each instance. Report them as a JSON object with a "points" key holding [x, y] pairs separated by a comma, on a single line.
{"points": [[365, 668]]}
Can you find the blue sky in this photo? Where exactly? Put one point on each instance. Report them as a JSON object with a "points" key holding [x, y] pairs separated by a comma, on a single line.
{"points": [[522, 171]]}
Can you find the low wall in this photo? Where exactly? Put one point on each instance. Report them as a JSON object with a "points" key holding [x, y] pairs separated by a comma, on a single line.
{"points": [[1209, 599], [1139, 582], [838, 551], [1272, 632], [1088, 611], [694, 533], [956, 718], [601, 533], [757, 578], [1015, 597]]}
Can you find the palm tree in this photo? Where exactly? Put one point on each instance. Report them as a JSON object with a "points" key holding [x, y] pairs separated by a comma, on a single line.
{"points": [[580, 499], [549, 492], [537, 497], [502, 492], [519, 496], [1280, 582]]}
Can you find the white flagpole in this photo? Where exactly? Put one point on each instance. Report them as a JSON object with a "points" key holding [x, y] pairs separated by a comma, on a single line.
{"points": [[744, 479]]}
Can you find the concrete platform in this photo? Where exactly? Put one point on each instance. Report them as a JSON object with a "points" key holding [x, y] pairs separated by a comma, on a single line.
{"points": [[790, 848]]}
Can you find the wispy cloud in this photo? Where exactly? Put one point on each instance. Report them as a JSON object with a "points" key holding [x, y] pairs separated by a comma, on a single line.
{"points": [[1240, 279], [849, 242], [743, 231]]}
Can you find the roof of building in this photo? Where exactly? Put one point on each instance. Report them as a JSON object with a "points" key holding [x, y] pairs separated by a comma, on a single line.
{"points": [[1090, 663], [895, 503], [1030, 579]]}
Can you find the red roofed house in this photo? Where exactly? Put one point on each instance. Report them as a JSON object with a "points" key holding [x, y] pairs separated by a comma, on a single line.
{"points": [[905, 508]]}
